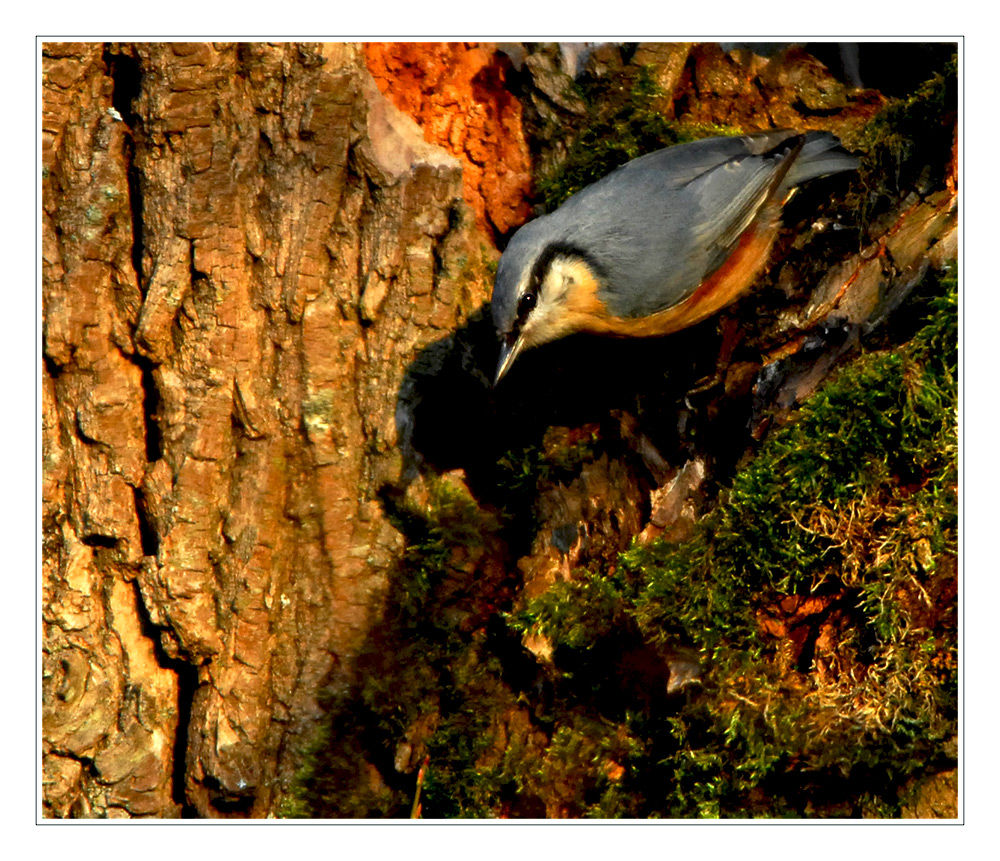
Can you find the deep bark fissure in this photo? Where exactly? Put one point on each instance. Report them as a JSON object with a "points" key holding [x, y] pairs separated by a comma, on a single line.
{"points": [[150, 406], [153, 438], [97, 540], [148, 536], [51, 368], [126, 76], [187, 686]]}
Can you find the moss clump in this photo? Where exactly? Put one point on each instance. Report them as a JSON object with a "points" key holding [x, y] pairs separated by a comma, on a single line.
{"points": [[907, 145], [519, 472], [576, 614], [853, 506], [818, 598], [887, 421]]}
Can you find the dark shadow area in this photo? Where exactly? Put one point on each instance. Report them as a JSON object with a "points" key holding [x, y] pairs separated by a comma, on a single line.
{"points": [[893, 68], [449, 417]]}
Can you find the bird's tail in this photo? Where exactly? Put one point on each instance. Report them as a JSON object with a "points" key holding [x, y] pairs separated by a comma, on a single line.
{"points": [[821, 155]]}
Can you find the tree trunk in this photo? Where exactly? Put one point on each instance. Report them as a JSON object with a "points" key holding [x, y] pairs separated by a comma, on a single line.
{"points": [[244, 246]]}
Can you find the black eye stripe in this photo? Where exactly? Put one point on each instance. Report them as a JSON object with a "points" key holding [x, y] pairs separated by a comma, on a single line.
{"points": [[561, 249]]}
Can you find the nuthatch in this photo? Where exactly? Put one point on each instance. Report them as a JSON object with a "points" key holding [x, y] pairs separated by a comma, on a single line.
{"points": [[657, 245]]}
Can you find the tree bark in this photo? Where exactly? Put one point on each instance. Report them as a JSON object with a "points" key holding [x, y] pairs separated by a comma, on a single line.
{"points": [[244, 247]]}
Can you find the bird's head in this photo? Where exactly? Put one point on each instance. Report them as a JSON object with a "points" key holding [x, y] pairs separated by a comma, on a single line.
{"points": [[544, 290]]}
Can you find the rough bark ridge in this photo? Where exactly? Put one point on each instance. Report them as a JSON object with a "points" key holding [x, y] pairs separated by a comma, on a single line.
{"points": [[457, 93], [243, 248]]}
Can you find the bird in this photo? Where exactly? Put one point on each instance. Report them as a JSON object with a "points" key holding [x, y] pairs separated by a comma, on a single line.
{"points": [[661, 243]]}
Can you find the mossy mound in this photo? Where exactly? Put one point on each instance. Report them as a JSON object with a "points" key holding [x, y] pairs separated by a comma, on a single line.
{"points": [[796, 656]]}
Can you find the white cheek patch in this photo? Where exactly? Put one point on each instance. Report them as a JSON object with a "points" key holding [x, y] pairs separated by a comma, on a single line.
{"points": [[544, 322], [555, 313], [558, 282]]}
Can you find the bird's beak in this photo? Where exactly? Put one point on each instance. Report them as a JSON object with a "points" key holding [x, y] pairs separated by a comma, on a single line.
{"points": [[511, 346]]}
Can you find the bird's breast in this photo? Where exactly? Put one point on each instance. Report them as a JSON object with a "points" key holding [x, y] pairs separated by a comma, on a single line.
{"points": [[720, 288]]}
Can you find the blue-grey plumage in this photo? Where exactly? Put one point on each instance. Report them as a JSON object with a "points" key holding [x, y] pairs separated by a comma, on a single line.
{"points": [[659, 243]]}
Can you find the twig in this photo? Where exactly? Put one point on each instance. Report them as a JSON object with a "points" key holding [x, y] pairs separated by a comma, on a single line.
{"points": [[415, 810]]}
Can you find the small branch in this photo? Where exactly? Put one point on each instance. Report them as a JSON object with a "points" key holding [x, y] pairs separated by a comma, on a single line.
{"points": [[415, 810]]}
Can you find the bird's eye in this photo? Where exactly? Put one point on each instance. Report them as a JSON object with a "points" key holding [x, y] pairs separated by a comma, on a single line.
{"points": [[527, 302]]}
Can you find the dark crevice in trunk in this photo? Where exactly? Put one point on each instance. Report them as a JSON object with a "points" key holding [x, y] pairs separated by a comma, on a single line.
{"points": [[187, 685], [51, 367], [153, 438], [98, 540], [150, 408], [148, 535], [196, 274], [126, 75]]}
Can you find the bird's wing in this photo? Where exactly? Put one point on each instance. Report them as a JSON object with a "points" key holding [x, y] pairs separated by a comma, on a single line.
{"points": [[660, 225], [731, 196]]}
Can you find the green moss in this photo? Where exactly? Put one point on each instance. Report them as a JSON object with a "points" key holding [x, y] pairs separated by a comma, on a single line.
{"points": [[521, 471], [834, 504], [451, 520], [576, 614], [317, 410], [907, 144], [489, 261], [422, 678], [852, 504], [463, 780], [297, 803]]}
